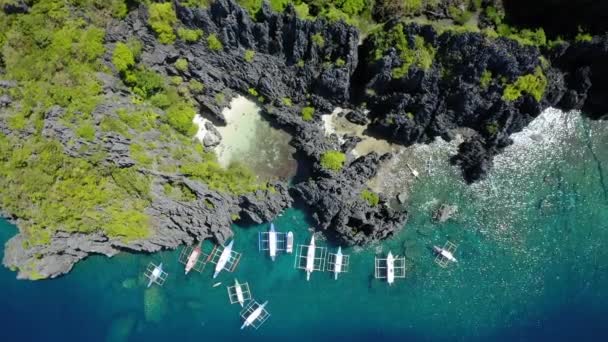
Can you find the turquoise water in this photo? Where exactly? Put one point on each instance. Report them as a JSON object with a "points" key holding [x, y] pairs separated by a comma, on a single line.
{"points": [[532, 250]]}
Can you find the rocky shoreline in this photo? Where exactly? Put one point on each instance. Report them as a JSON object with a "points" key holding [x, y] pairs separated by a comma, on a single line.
{"points": [[422, 104]]}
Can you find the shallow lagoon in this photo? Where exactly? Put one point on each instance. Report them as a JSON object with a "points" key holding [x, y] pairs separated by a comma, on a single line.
{"points": [[250, 140], [532, 249]]}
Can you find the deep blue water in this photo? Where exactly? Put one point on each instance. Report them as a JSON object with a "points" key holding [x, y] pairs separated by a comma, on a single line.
{"points": [[533, 267]]}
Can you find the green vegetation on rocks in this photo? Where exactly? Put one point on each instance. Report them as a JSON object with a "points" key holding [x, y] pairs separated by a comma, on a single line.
{"points": [[51, 191], [252, 6], [178, 192], [196, 3], [533, 84], [86, 131], [249, 55], [421, 54], [181, 64], [371, 197], [161, 18], [308, 113], [54, 53], [253, 92], [286, 101], [235, 179], [318, 39], [122, 57], [460, 16], [214, 43], [333, 160], [486, 79], [188, 35], [581, 36]]}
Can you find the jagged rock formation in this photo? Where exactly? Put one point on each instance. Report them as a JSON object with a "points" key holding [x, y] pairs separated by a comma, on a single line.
{"points": [[287, 64], [342, 212], [424, 104], [585, 74]]}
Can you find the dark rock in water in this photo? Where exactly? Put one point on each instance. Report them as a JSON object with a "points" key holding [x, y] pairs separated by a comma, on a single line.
{"points": [[358, 117], [445, 212], [339, 209], [474, 158], [212, 136], [350, 142], [402, 197]]}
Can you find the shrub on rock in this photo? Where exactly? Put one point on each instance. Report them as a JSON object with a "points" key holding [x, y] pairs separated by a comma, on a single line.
{"points": [[333, 160]]}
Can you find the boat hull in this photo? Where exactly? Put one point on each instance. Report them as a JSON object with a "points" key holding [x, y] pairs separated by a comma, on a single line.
{"points": [[390, 269], [289, 248], [310, 258], [223, 259], [192, 259]]}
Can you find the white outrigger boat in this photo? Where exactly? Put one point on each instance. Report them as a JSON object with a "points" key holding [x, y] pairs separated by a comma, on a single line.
{"points": [[412, 170], [390, 268], [224, 257], [310, 258], [311, 261], [254, 317], [239, 292], [193, 259], [445, 254], [289, 243], [272, 242], [155, 274], [338, 263]]}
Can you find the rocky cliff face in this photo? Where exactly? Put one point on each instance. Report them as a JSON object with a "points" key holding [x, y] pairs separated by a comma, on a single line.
{"points": [[585, 73], [452, 92]]}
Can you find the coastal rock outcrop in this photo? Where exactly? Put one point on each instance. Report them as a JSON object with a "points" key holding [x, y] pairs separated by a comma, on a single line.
{"points": [[465, 82], [585, 73], [444, 213], [263, 205], [410, 83], [340, 210]]}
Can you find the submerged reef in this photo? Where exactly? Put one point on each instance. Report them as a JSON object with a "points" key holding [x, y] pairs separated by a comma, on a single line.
{"points": [[108, 130]]}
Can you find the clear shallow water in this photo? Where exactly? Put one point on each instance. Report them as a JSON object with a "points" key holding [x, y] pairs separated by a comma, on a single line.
{"points": [[249, 139], [533, 266]]}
